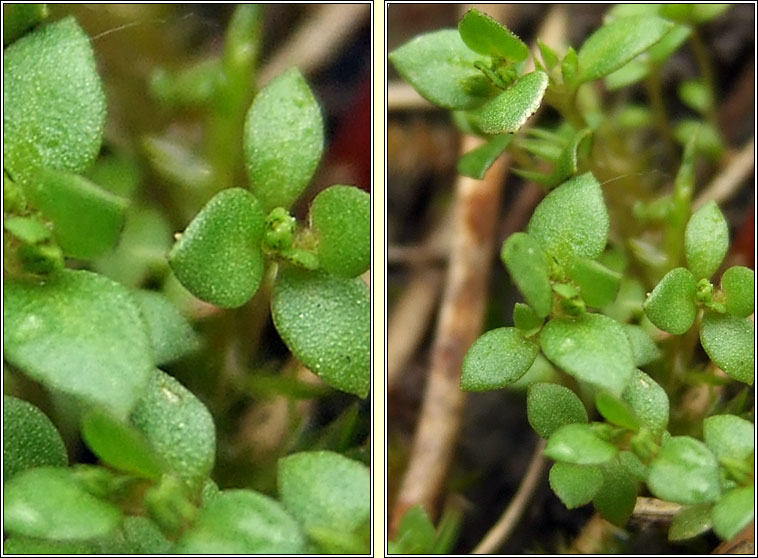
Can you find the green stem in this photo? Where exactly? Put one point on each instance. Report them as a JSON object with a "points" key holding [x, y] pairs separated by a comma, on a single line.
{"points": [[706, 70], [660, 115]]}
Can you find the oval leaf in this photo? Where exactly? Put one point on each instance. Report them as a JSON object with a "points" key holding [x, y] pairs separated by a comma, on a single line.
{"points": [[729, 341], [644, 349], [648, 400], [171, 335], [706, 240], [616, 411], [506, 113], [618, 494], [575, 485], [486, 36], [341, 217], [685, 471], [550, 406], [529, 267], [729, 436], [671, 305], [477, 162], [578, 444], [326, 323], [218, 257], [734, 512], [53, 101], [284, 140], [79, 333], [597, 284], [738, 284], [690, 522], [499, 357]]}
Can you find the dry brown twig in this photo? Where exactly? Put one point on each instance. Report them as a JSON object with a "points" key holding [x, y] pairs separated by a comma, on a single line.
{"points": [[729, 180]]}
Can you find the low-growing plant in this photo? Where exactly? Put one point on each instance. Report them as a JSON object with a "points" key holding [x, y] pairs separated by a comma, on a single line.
{"points": [[608, 367], [94, 349]]}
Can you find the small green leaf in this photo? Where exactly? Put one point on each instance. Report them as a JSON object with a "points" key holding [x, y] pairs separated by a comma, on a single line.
{"points": [[568, 162], [592, 348], [284, 140], [178, 427], [708, 140], [171, 335], [696, 95], [738, 284], [143, 536], [476, 162], [572, 220], [706, 240], [671, 305], [734, 512], [729, 436], [616, 411], [540, 371], [578, 444], [705, 12], [79, 333], [618, 494], [499, 357], [506, 113], [549, 56], [218, 257], [570, 67], [243, 522], [644, 349], [40, 547], [526, 319], [628, 303], [29, 229], [326, 323], [87, 220], [669, 44], [416, 533], [633, 464], [729, 341], [597, 283], [616, 43], [648, 400], [550, 406], [29, 439], [47, 502], [53, 101], [630, 73], [484, 35], [690, 522], [575, 485], [440, 67], [341, 217], [325, 489], [18, 18], [529, 267], [685, 471]]}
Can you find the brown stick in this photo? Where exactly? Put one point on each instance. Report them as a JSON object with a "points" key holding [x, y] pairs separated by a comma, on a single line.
{"points": [[728, 181]]}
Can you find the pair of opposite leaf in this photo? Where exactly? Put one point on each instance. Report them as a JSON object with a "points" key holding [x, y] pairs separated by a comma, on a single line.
{"points": [[320, 307]]}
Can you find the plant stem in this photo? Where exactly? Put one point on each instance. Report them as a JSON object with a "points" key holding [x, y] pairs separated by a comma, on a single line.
{"points": [[706, 70], [660, 116]]}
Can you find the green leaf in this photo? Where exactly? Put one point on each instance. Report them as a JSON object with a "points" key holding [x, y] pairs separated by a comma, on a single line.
{"points": [[644, 349], [509, 111], [648, 400], [39, 547], [484, 35], [529, 267], [628, 303], [540, 371], [705, 12], [690, 522], [218, 257], [29, 439], [28, 229], [708, 140], [671, 305], [734, 512], [117, 172], [499, 357], [568, 163], [476, 162], [729, 436], [685, 471], [416, 533], [618, 494], [572, 220], [341, 218], [178, 427], [47, 502], [171, 335], [616, 411], [79, 333], [18, 18], [243, 522], [696, 95], [325, 489], [598, 284], [575, 485], [593, 348], [633, 464], [669, 44], [440, 67], [143, 536], [570, 67], [526, 319], [326, 323], [706, 240], [738, 284], [578, 444], [53, 101], [729, 342], [551, 406], [284, 140], [616, 43], [87, 220], [630, 73], [549, 56]]}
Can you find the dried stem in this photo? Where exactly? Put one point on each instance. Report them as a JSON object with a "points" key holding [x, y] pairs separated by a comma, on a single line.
{"points": [[402, 96], [593, 537], [655, 510], [729, 180]]}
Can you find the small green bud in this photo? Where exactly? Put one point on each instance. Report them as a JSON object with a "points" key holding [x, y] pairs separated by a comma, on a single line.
{"points": [[280, 230]]}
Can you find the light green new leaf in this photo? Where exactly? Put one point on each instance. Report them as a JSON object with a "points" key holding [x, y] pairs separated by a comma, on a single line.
{"points": [[708, 140], [29, 439], [440, 67], [630, 73], [669, 44], [341, 217], [506, 113], [284, 140], [671, 305], [617, 42], [578, 444], [729, 436], [618, 494], [685, 471], [705, 12], [706, 240], [486, 36], [738, 284], [323, 488], [171, 335], [416, 533], [598, 284], [729, 341], [696, 95], [47, 502], [218, 257], [734, 512], [648, 400], [499, 357], [476, 162], [616, 411], [529, 267], [550, 406], [644, 349], [326, 323], [79, 333], [572, 220], [690, 522], [593, 348], [526, 319], [575, 485], [53, 101]]}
